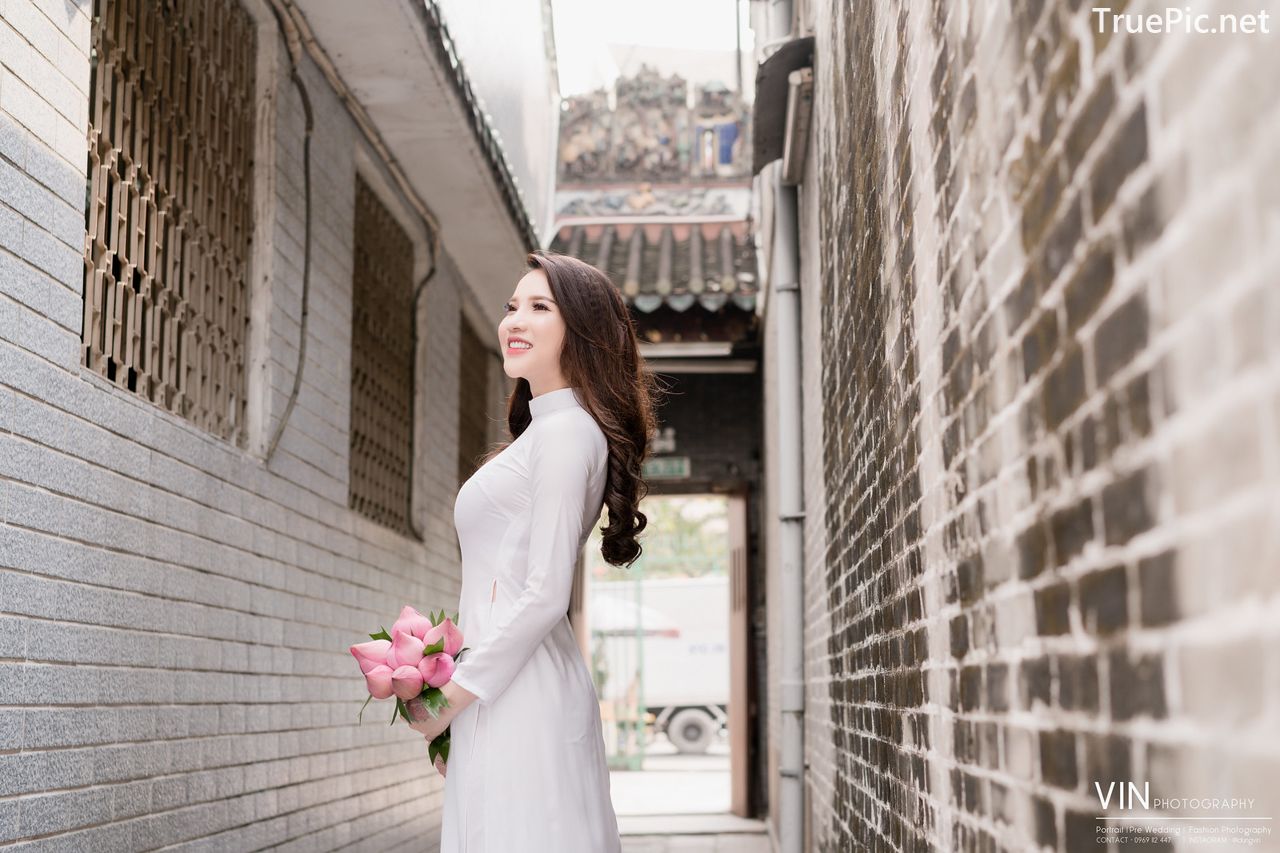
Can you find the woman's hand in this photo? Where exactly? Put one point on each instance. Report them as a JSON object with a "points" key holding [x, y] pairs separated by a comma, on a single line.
{"points": [[430, 727], [456, 698]]}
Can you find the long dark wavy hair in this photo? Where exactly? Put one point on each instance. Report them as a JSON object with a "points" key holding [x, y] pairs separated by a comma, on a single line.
{"points": [[601, 358]]}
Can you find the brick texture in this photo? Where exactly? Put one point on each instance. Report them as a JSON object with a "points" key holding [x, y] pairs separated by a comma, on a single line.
{"points": [[1042, 401], [174, 612]]}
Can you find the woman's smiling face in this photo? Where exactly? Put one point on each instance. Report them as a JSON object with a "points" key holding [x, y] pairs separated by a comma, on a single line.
{"points": [[532, 317]]}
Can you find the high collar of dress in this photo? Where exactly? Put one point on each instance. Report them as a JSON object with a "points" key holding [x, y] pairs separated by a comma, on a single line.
{"points": [[549, 401]]}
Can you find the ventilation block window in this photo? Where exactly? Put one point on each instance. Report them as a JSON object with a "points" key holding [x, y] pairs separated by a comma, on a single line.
{"points": [[382, 346], [169, 215], [473, 401]]}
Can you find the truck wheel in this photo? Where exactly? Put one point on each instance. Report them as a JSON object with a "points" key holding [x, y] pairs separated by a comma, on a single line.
{"points": [[691, 730]]}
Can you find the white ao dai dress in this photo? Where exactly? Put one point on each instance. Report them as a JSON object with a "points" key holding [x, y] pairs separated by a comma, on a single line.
{"points": [[527, 769]]}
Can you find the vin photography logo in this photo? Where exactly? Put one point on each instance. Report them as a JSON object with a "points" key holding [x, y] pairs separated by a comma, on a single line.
{"points": [[1193, 820]]}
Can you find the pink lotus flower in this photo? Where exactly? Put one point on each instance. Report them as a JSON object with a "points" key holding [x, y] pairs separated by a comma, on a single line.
{"points": [[397, 664], [427, 666], [412, 622], [406, 650], [370, 654], [378, 680], [406, 682], [437, 669], [447, 631]]}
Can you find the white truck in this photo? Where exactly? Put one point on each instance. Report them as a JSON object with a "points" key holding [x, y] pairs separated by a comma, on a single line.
{"points": [[666, 640]]}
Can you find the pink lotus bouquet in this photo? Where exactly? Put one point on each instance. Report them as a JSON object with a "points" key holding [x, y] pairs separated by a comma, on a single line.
{"points": [[412, 662]]}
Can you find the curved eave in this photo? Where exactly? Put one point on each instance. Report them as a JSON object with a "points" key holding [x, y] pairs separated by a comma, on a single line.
{"points": [[676, 265]]}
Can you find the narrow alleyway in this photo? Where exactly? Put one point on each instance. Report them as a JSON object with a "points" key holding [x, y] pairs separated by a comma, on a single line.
{"points": [[964, 317], [681, 802], [726, 842]]}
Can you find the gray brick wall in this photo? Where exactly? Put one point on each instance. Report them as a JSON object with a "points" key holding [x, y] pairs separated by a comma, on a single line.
{"points": [[174, 613], [1042, 407]]}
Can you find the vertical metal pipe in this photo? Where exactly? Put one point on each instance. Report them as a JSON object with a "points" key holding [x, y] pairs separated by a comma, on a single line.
{"points": [[786, 302], [737, 43], [785, 285]]}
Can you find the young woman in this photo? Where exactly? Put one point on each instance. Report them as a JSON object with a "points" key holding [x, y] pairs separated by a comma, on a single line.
{"points": [[527, 770]]}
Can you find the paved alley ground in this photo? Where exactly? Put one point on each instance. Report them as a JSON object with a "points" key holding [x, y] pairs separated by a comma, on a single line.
{"points": [[681, 803]]}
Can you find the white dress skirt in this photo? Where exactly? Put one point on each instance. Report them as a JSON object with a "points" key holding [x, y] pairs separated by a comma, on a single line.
{"points": [[527, 770]]}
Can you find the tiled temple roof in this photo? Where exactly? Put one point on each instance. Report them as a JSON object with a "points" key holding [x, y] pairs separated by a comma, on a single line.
{"points": [[675, 264]]}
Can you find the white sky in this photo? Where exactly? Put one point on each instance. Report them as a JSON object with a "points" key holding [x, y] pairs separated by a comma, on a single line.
{"points": [[583, 29]]}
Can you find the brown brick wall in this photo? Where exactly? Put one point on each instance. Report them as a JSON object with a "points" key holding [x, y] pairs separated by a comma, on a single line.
{"points": [[1048, 495]]}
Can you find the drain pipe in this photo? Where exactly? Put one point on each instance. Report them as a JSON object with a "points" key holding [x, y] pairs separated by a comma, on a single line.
{"points": [[785, 282], [786, 302]]}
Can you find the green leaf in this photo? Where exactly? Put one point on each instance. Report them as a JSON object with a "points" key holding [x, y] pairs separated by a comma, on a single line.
{"points": [[402, 710], [395, 712], [440, 746], [381, 635], [359, 716], [455, 617], [433, 700], [437, 646]]}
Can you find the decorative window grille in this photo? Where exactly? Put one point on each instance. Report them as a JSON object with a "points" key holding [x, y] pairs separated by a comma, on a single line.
{"points": [[169, 217], [381, 365], [473, 402]]}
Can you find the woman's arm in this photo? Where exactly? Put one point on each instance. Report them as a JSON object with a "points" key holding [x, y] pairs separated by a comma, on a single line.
{"points": [[561, 470]]}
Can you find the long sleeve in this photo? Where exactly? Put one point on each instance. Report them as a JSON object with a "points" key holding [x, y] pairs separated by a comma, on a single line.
{"points": [[561, 468]]}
